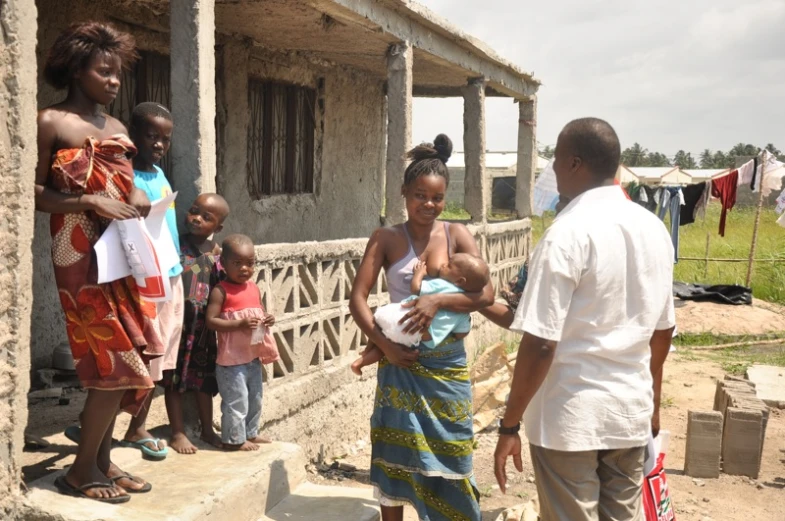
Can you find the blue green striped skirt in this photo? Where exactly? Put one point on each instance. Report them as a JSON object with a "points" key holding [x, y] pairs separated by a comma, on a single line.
{"points": [[422, 437]]}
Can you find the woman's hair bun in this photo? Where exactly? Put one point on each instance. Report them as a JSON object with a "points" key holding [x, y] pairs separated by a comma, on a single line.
{"points": [[443, 146]]}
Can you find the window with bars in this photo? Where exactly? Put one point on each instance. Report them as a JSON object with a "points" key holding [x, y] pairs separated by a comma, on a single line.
{"points": [[147, 80], [281, 138]]}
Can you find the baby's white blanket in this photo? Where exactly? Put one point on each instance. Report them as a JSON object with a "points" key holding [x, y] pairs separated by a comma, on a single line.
{"points": [[387, 318]]}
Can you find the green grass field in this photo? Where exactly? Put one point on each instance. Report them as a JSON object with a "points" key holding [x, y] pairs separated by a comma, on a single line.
{"points": [[768, 281]]}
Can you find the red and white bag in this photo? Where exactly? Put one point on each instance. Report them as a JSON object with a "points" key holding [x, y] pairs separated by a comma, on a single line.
{"points": [[657, 503]]}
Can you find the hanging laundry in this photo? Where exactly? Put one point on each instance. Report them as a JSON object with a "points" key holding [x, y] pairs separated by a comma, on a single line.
{"points": [[650, 195], [770, 172], [703, 202], [754, 174], [671, 202], [545, 194], [693, 195], [725, 189], [781, 220], [780, 203], [747, 172]]}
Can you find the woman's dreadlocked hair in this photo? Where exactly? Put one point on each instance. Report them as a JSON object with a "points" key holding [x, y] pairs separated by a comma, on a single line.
{"points": [[429, 159]]}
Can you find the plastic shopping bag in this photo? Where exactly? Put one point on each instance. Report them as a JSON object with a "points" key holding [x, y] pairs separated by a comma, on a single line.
{"points": [[657, 504]]}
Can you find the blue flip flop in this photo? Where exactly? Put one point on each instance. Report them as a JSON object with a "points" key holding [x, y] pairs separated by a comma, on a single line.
{"points": [[147, 451], [74, 433]]}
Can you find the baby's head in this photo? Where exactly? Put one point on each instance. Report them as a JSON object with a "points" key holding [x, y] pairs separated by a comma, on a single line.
{"points": [[151, 131], [468, 272], [238, 258], [206, 215]]}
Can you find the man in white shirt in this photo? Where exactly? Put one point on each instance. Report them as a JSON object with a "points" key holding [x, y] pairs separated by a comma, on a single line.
{"points": [[597, 319]]}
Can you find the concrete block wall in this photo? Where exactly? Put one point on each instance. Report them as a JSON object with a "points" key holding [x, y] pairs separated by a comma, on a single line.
{"points": [[311, 395], [18, 156]]}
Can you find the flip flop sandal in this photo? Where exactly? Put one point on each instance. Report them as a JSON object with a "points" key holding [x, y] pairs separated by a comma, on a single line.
{"points": [[157, 455], [74, 433], [67, 489], [146, 488]]}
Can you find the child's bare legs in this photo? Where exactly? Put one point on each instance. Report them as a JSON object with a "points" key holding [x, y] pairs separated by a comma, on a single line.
{"points": [[369, 356], [204, 402], [112, 471], [137, 429], [174, 409], [100, 410]]}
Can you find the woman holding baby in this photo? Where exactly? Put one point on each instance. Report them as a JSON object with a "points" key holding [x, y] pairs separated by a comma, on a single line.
{"points": [[421, 427]]}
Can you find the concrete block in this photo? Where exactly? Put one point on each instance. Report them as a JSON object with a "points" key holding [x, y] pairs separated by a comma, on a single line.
{"points": [[724, 388], [741, 442], [769, 384], [704, 444], [739, 379], [331, 503]]}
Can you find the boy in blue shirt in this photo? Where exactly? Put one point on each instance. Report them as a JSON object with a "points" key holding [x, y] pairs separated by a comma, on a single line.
{"points": [[464, 273], [151, 131]]}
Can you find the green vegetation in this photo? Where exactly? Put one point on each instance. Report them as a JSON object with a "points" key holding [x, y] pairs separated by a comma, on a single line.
{"points": [[768, 281]]}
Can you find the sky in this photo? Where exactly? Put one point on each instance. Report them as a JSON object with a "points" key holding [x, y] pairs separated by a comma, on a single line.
{"points": [[668, 74]]}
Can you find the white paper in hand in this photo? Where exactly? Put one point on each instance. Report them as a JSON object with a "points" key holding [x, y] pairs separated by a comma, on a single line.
{"points": [[131, 247]]}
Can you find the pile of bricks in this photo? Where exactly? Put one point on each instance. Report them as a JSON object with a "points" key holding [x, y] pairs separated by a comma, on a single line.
{"points": [[731, 437]]}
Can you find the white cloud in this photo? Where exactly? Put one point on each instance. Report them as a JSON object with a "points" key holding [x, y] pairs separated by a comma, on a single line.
{"points": [[669, 74]]}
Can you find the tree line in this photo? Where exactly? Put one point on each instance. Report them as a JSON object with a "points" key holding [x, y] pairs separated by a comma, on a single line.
{"points": [[636, 155]]}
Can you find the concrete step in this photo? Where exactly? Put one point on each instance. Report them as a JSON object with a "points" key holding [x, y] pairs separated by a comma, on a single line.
{"points": [[210, 485], [326, 503]]}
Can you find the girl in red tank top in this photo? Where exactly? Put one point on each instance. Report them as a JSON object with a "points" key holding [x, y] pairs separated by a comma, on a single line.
{"points": [[236, 313]]}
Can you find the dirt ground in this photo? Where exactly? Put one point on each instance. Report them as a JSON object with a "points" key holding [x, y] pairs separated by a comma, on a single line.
{"points": [[689, 385], [719, 319]]}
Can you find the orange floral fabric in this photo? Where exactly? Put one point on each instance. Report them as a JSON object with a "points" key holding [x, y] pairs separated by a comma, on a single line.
{"points": [[112, 332]]}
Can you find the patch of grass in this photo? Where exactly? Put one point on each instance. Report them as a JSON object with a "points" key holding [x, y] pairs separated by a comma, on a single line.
{"points": [[512, 347], [768, 281], [667, 402], [454, 212], [711, 339]]}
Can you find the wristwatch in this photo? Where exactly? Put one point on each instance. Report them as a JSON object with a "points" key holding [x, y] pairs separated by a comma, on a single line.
{"points": [[509, 430]]}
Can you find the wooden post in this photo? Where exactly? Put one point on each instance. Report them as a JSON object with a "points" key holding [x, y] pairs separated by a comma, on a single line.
{"points": [[706, 267], [764, 158]]}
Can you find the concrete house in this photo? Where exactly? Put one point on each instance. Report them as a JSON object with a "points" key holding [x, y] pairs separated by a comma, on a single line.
{"points": [[299, 112]]}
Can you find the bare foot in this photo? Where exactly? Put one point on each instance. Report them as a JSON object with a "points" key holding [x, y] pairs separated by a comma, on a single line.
{"points": [[182, 444], [260, 440], [212, 438], [245, 447], [357, 367], [143, 434]]}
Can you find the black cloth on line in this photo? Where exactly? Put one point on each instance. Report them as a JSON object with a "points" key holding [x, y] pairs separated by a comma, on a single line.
{"points": [[692, 194], [722, 294], [754, 172]]}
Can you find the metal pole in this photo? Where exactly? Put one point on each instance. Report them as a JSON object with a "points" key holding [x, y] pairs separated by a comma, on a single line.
{"points": [[764, 158]]}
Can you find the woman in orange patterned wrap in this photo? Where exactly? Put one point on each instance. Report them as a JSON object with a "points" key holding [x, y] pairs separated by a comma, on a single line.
{"points": [[84, 179]]}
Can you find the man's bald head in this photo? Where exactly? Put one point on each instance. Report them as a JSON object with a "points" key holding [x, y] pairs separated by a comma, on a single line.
{"points": [[595, 142]]}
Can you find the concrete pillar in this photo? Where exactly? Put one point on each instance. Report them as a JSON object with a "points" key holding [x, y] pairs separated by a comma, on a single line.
{"points": [[193, 98], [399, 127], [527, 156], [704, 444], [476, 186], [18, 155]]}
